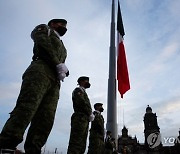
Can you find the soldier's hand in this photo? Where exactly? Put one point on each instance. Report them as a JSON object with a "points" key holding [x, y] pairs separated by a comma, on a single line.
{"points": [[62, 71], [61, 76], [91, 117]]}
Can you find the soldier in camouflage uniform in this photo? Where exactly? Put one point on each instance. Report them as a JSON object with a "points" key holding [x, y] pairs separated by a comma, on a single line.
{"points": [[96, 138], [81, 117], [39, 94]]}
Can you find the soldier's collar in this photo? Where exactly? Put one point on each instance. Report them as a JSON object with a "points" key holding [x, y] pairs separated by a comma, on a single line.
{"points": [[97, 111], [57, 34], [82, 88]]}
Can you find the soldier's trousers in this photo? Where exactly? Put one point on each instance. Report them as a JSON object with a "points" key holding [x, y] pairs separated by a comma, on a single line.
{"points": [[36, 105], [78, 135], [96, 145]]}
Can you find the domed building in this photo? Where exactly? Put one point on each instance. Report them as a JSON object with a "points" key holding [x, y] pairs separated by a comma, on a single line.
{"points": [[127, 143], [152, 144], [151, 130]]}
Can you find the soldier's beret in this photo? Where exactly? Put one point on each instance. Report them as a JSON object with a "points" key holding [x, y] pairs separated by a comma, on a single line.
{"points": [[97, 104], [56, 21], [82, 78]]}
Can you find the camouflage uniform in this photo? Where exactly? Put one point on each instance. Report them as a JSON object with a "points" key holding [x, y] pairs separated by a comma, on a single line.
{"points": [[79, 121], [39, 94], [96, 138]]}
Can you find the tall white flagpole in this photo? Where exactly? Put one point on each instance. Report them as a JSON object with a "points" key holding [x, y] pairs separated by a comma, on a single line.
{"points": [[112, 103]]}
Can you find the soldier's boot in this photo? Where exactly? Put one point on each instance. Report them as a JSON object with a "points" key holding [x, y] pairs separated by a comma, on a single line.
{"points": [[10, 151], [7, 151]]}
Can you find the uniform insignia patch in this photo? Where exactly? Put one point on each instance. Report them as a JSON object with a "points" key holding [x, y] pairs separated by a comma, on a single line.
{"points": [[80, 93]]}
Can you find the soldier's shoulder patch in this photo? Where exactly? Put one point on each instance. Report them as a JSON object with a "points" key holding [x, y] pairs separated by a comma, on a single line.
{"points": [[80, 93], [42, 28]]}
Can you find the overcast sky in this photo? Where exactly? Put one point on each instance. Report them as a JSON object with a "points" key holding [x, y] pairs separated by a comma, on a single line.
{"points": [[152, 35]]}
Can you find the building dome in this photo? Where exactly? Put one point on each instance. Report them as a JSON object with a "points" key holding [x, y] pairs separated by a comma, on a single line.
{"points": [[125, 129], [148, 109]]}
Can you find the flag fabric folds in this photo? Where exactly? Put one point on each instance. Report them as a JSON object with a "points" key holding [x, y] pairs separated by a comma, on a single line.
{"points": [[122, 69]]}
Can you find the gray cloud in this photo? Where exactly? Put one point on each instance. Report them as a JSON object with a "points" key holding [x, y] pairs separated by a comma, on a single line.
{"points": [[151, 42]]}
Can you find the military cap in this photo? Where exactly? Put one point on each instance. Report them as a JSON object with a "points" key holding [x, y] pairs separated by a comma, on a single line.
{"points": [[82, 78], [56, 21], [97, 104]]}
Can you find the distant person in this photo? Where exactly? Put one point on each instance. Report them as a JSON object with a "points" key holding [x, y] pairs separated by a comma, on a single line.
{"points": [[96, 138], [80, 118], [109, 145], [113, 141], [39, 94]]}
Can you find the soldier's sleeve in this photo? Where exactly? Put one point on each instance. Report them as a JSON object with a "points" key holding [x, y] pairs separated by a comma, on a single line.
{"points": [[81, 101], [41, 38]]}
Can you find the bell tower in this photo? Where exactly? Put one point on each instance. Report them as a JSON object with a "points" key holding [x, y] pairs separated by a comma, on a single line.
{"points": [[124, 132], [151, 131]]}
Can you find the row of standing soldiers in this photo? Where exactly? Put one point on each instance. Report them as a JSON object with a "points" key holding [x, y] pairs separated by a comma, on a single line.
{"points": [[80, 124], [38, 98]]}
